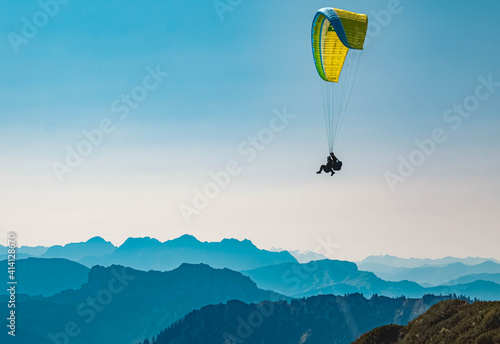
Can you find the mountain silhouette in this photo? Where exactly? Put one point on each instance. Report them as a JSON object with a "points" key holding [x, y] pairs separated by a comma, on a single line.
{"points": [[95, 246], [31, 251], [46, 276], [122, 305], [316, 320], [34, 251], [302, 256], [150, 254], [448, 322], [342, 277], [23, 252], [476, 277], [328, 277], [18, 255], [438, 275], [392, 261]]}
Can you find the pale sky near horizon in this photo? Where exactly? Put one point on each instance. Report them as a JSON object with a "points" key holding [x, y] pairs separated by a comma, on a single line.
{"points": [[225, 80]]}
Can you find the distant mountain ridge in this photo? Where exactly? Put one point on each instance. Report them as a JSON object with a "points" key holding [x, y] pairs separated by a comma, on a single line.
{"points": [[394, 261], [98, 251], [34, 251], [325, 319], [342, 277], [302, 256], [291, 279], [387, 265], [490, 277], [46, 276], [95, 246], [438, 275], [23, 251], [151, 254], [175, 280]]}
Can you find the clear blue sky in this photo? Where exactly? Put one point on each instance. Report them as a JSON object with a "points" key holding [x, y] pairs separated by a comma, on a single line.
{"points": [[225, 78]]}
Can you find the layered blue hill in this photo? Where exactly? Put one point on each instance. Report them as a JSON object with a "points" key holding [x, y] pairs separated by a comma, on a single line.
{"points": [[438, 275], [325, 319], [46, 276], [95, 246], [476, 277], [396, 262], [342, 277], [123, 305]]}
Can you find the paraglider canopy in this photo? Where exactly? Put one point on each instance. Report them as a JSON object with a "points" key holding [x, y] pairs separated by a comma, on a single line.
{"points": [[338, 37], [334, 32]]}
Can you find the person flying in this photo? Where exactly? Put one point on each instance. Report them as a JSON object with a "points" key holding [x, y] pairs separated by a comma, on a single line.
{"points": [[332, 164]]}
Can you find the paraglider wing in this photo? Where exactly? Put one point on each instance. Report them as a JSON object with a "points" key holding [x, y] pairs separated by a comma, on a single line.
{"points": [[334, 32], [337, 38]]}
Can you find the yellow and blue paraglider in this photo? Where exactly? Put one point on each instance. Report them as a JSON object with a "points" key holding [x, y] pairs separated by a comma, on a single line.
{"points": [[337, 40]]}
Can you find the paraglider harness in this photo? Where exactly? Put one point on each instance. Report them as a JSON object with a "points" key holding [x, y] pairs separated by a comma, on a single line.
{"points": [[337, 165]]}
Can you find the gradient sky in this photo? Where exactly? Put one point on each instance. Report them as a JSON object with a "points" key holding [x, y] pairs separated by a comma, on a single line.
{"points": [[225, 78]]}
